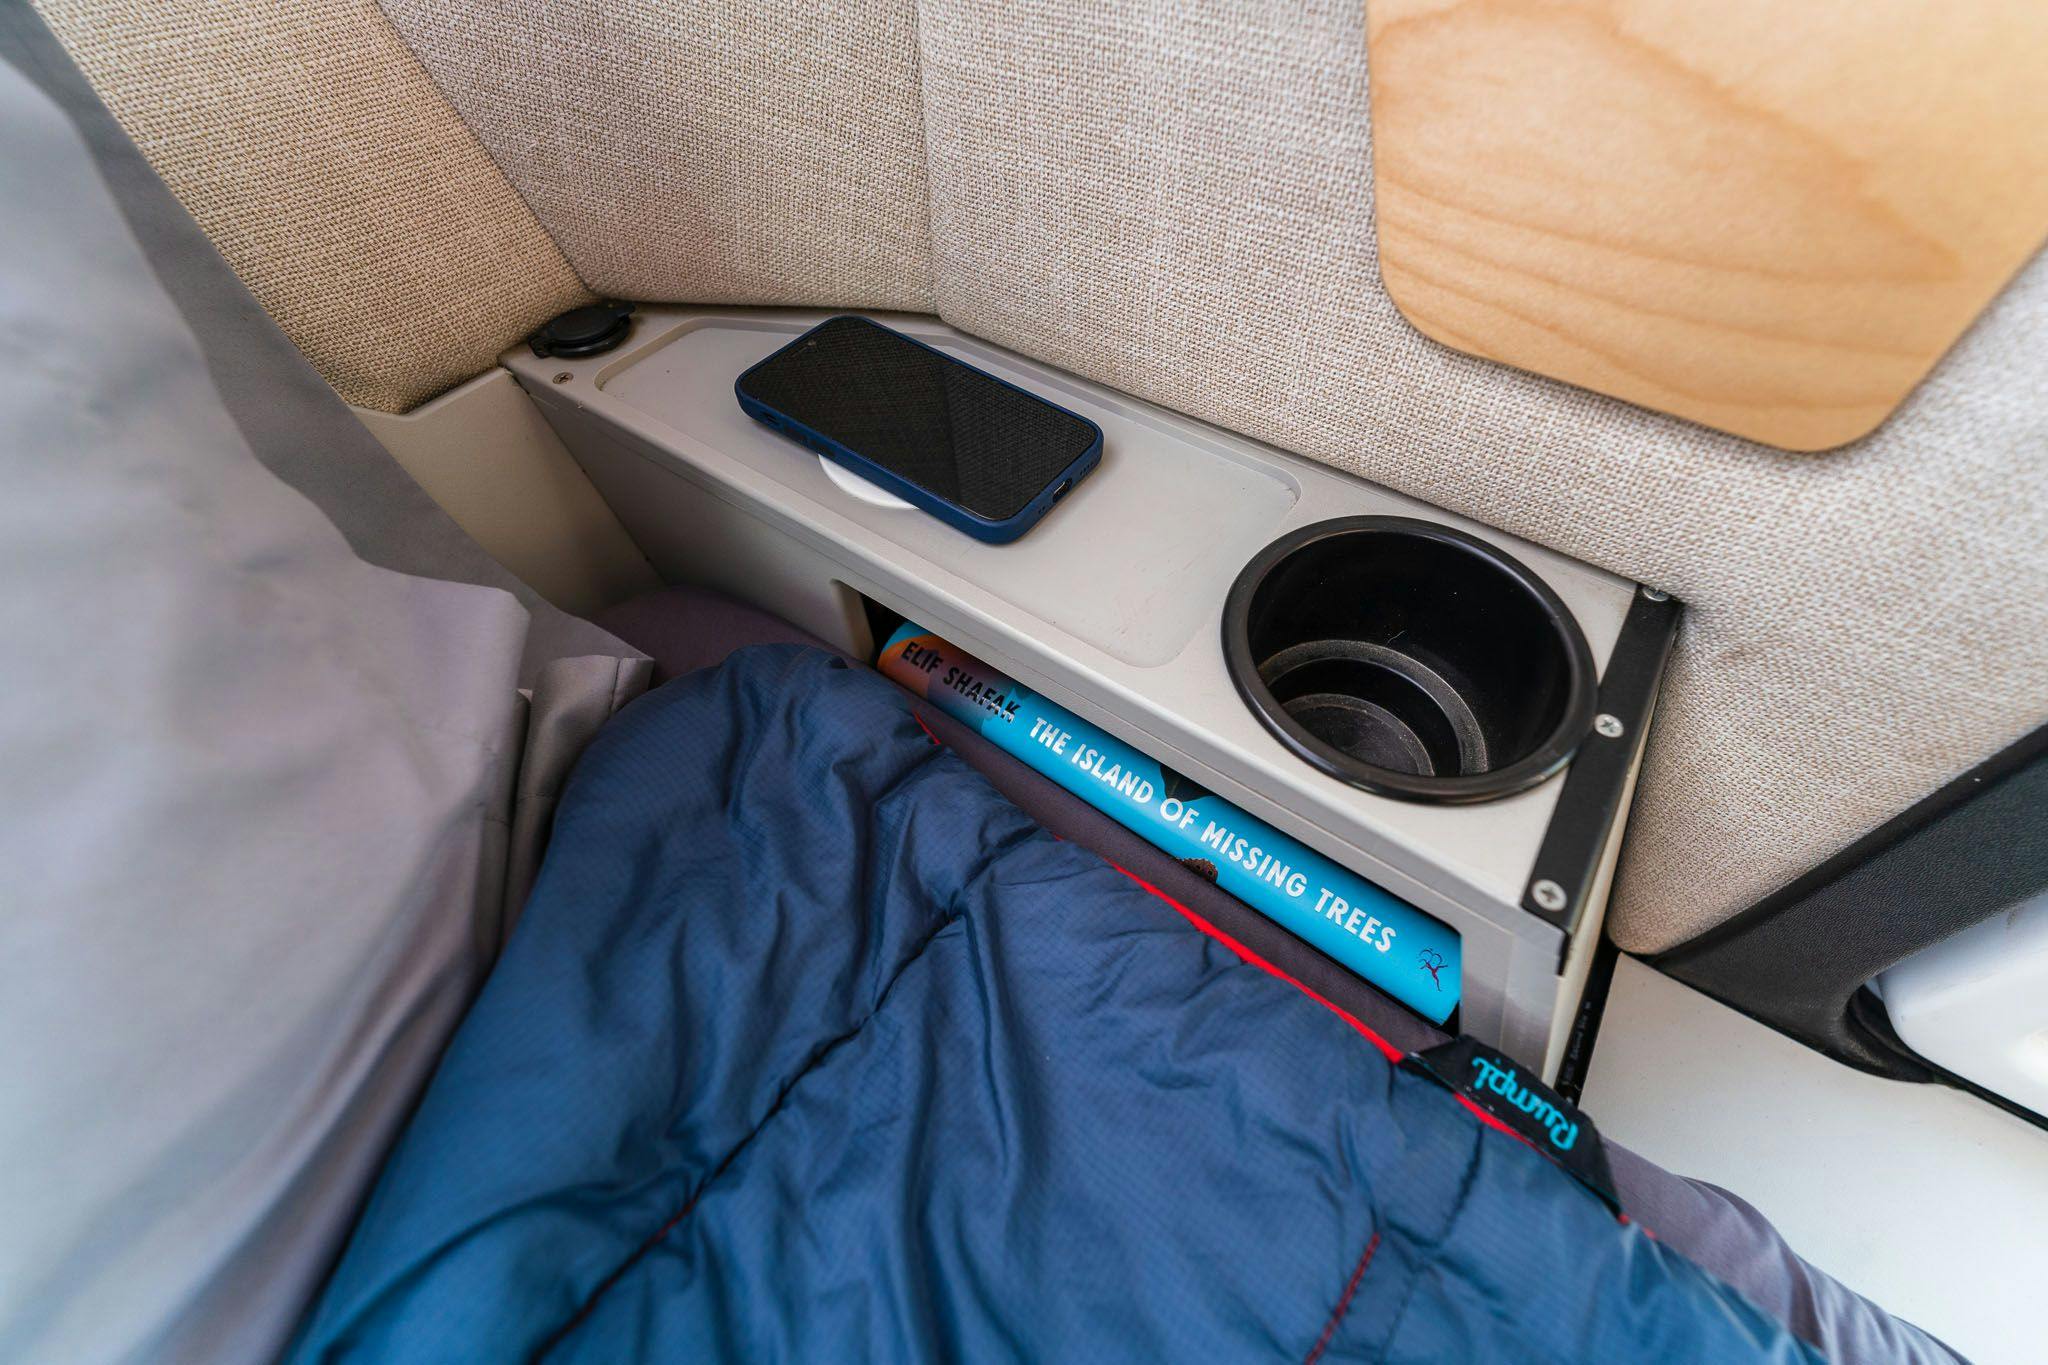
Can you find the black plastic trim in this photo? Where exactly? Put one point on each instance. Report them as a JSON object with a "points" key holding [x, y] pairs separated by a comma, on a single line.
{"points": [[1798, 959], [1577, 1063], [2029, 749], [1867, 1017]]}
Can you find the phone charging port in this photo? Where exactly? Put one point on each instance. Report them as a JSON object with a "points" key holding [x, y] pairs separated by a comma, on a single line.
{"points": [[1061, 491]]}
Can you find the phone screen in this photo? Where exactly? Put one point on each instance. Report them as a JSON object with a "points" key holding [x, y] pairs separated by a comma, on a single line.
{"points": [[946, 427]]}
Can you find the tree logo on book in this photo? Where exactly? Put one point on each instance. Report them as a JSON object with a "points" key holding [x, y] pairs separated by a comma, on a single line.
{"points": [[1434, 962]]}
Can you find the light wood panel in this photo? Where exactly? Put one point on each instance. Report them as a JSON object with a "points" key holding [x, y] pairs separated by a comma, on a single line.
{"points": [[1768, 216]]}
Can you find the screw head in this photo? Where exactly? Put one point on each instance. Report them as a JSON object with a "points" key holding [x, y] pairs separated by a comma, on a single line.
{"points": [[565, 376], [1548, 894], [1610, 726], [1656, 596]]}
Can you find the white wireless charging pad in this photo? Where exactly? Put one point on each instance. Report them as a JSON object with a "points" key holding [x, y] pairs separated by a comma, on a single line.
{"points": [[858, 487]]}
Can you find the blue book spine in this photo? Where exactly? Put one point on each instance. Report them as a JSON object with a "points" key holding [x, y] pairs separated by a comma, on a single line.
{"points": [[1382, 938]]}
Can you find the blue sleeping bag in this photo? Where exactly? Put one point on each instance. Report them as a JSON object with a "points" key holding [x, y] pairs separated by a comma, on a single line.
{"points": [[810, 1046]]}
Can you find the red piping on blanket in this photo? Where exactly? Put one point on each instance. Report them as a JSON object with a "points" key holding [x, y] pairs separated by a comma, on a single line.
{"points": [[1343, 1302], [1387, 1049]]}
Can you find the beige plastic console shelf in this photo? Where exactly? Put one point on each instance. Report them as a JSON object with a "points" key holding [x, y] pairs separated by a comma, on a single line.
{"points": [[1111, 606]]}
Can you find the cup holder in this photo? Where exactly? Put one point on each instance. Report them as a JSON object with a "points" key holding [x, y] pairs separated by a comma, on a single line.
{"points": [[1409, 659]]}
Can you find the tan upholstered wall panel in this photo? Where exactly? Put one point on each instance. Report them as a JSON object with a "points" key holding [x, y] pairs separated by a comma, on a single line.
{"points": [[765, 152], [1177, 198], [342, 188]]}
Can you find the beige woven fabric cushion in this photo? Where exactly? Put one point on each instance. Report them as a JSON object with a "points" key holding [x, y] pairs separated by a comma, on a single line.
{"points": [[767, 152], [318, 156], [1176, 198]]}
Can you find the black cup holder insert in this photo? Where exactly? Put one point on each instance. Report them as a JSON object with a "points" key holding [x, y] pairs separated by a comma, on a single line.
{"points": [[1410, 659]]}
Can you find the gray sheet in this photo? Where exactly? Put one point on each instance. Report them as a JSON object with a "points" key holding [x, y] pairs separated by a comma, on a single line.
{"points": [[287, 416], [260, 795]]}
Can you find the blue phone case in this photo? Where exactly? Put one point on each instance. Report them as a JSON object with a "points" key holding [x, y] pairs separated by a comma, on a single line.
{"points": [[974, 524]]}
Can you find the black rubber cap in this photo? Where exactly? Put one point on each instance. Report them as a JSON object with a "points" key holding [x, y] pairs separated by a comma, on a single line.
{"points": [[583, 331]]}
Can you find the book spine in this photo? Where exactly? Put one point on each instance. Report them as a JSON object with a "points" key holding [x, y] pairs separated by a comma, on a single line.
{"points": [[1382, 938]]}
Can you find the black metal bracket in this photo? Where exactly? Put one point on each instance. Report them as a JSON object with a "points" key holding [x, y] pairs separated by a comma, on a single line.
{"points": [[1568, 860]]}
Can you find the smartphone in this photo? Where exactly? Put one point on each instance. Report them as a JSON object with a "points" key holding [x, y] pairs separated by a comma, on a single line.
{"points": [[973, 450]]}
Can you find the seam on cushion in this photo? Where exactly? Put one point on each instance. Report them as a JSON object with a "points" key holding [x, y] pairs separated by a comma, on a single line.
{"points": [[924, 139], [811, 1064], [1343, 1301], [476, 141]]}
